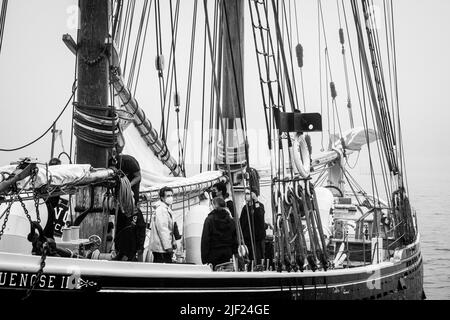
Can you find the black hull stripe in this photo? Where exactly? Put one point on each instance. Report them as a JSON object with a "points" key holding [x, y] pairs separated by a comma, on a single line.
{"points": [[287, 288]]}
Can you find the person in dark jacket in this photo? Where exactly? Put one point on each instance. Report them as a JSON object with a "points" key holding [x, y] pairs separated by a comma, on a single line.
{"points": [[253, 225], [219, 237], [131, 228], [219, 190], [52, 207]]}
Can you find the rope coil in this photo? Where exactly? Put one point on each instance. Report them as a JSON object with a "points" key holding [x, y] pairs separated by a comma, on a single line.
{"points": [[125, 197], [99, 130]]}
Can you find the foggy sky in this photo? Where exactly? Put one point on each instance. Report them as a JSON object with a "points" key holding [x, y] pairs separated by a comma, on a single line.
{"points": [[37, 72]]}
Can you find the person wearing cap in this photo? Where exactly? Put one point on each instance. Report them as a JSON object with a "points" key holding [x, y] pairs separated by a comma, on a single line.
{"points": [[253, 225]]}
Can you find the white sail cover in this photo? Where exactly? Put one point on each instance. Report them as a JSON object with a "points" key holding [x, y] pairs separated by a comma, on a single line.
{"points": [[356, 138], [79, 175], [155, 174], [61, 176]]}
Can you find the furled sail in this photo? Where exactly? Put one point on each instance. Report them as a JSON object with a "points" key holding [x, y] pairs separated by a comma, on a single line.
{"points": [[79, 175], [356, 138], [156, 175], [144, 126], [68, 175]]}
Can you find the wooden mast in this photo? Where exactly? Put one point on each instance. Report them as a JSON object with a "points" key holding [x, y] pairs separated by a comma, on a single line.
{"points": [[93, 76], [233, 73], [233, 42]]}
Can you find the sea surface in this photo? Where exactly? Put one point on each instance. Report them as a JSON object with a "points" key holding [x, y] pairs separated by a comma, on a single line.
{"points": [[430, 196]]}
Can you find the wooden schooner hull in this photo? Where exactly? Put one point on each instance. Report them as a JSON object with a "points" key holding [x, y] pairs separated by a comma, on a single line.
{"points": [[402, 279]]}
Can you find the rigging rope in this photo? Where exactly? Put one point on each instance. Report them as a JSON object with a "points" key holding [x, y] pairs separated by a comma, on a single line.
{"points": [[116, 18], [214, 117], [3, 11], [124, 29], [160, 67], [374, 184], [204, 94], [376, 91], [328, 69], [299, 55], [224, 136], [289, 39], [189, 86], [146, 17], [131, 19], [403, 170], [47, 131], [344, 58], [167, 100], [377, 115], [284, 63], [320, 76], [174, 79]]}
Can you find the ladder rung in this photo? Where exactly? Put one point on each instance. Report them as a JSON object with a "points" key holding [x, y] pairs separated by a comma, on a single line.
{"points": [[260, 27], [268, 81], [265, 54]]}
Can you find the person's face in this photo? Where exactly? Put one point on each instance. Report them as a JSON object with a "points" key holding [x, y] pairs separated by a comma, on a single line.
{"points": [[215, 192], [248, 196], [116, 151], [168, 198]]}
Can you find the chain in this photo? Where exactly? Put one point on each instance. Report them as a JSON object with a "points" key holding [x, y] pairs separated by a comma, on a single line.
{"points": [[36, 198], [25, 210], [93, 61], [40, 271], [7, 212], [45, 247]]}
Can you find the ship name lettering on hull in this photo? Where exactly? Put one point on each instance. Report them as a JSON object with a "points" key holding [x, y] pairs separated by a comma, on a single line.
{"points": [[26, 280]]}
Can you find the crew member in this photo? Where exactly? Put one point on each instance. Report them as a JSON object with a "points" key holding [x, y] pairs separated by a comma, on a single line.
{"points": [[162, 239], [52, 205], [253, 225], [220, 190], [130, 232], [219, 238]]}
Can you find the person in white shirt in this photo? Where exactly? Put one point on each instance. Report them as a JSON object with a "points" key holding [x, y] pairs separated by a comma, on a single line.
{"points": [[162, 239]]}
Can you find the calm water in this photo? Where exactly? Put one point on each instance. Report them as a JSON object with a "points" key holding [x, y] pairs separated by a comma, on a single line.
{"points": [[430, 196]]}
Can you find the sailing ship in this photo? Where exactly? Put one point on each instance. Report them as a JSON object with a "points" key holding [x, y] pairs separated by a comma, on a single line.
{"points": [[331, 239]]}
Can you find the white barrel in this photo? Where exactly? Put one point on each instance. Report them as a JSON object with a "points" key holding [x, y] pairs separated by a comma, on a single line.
{"points": [[14, 239], [75, 233], [66, 234], [193, 228]]}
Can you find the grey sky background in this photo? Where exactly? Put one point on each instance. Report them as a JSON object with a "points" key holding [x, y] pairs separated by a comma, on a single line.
{"points": [[37, 71]]}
